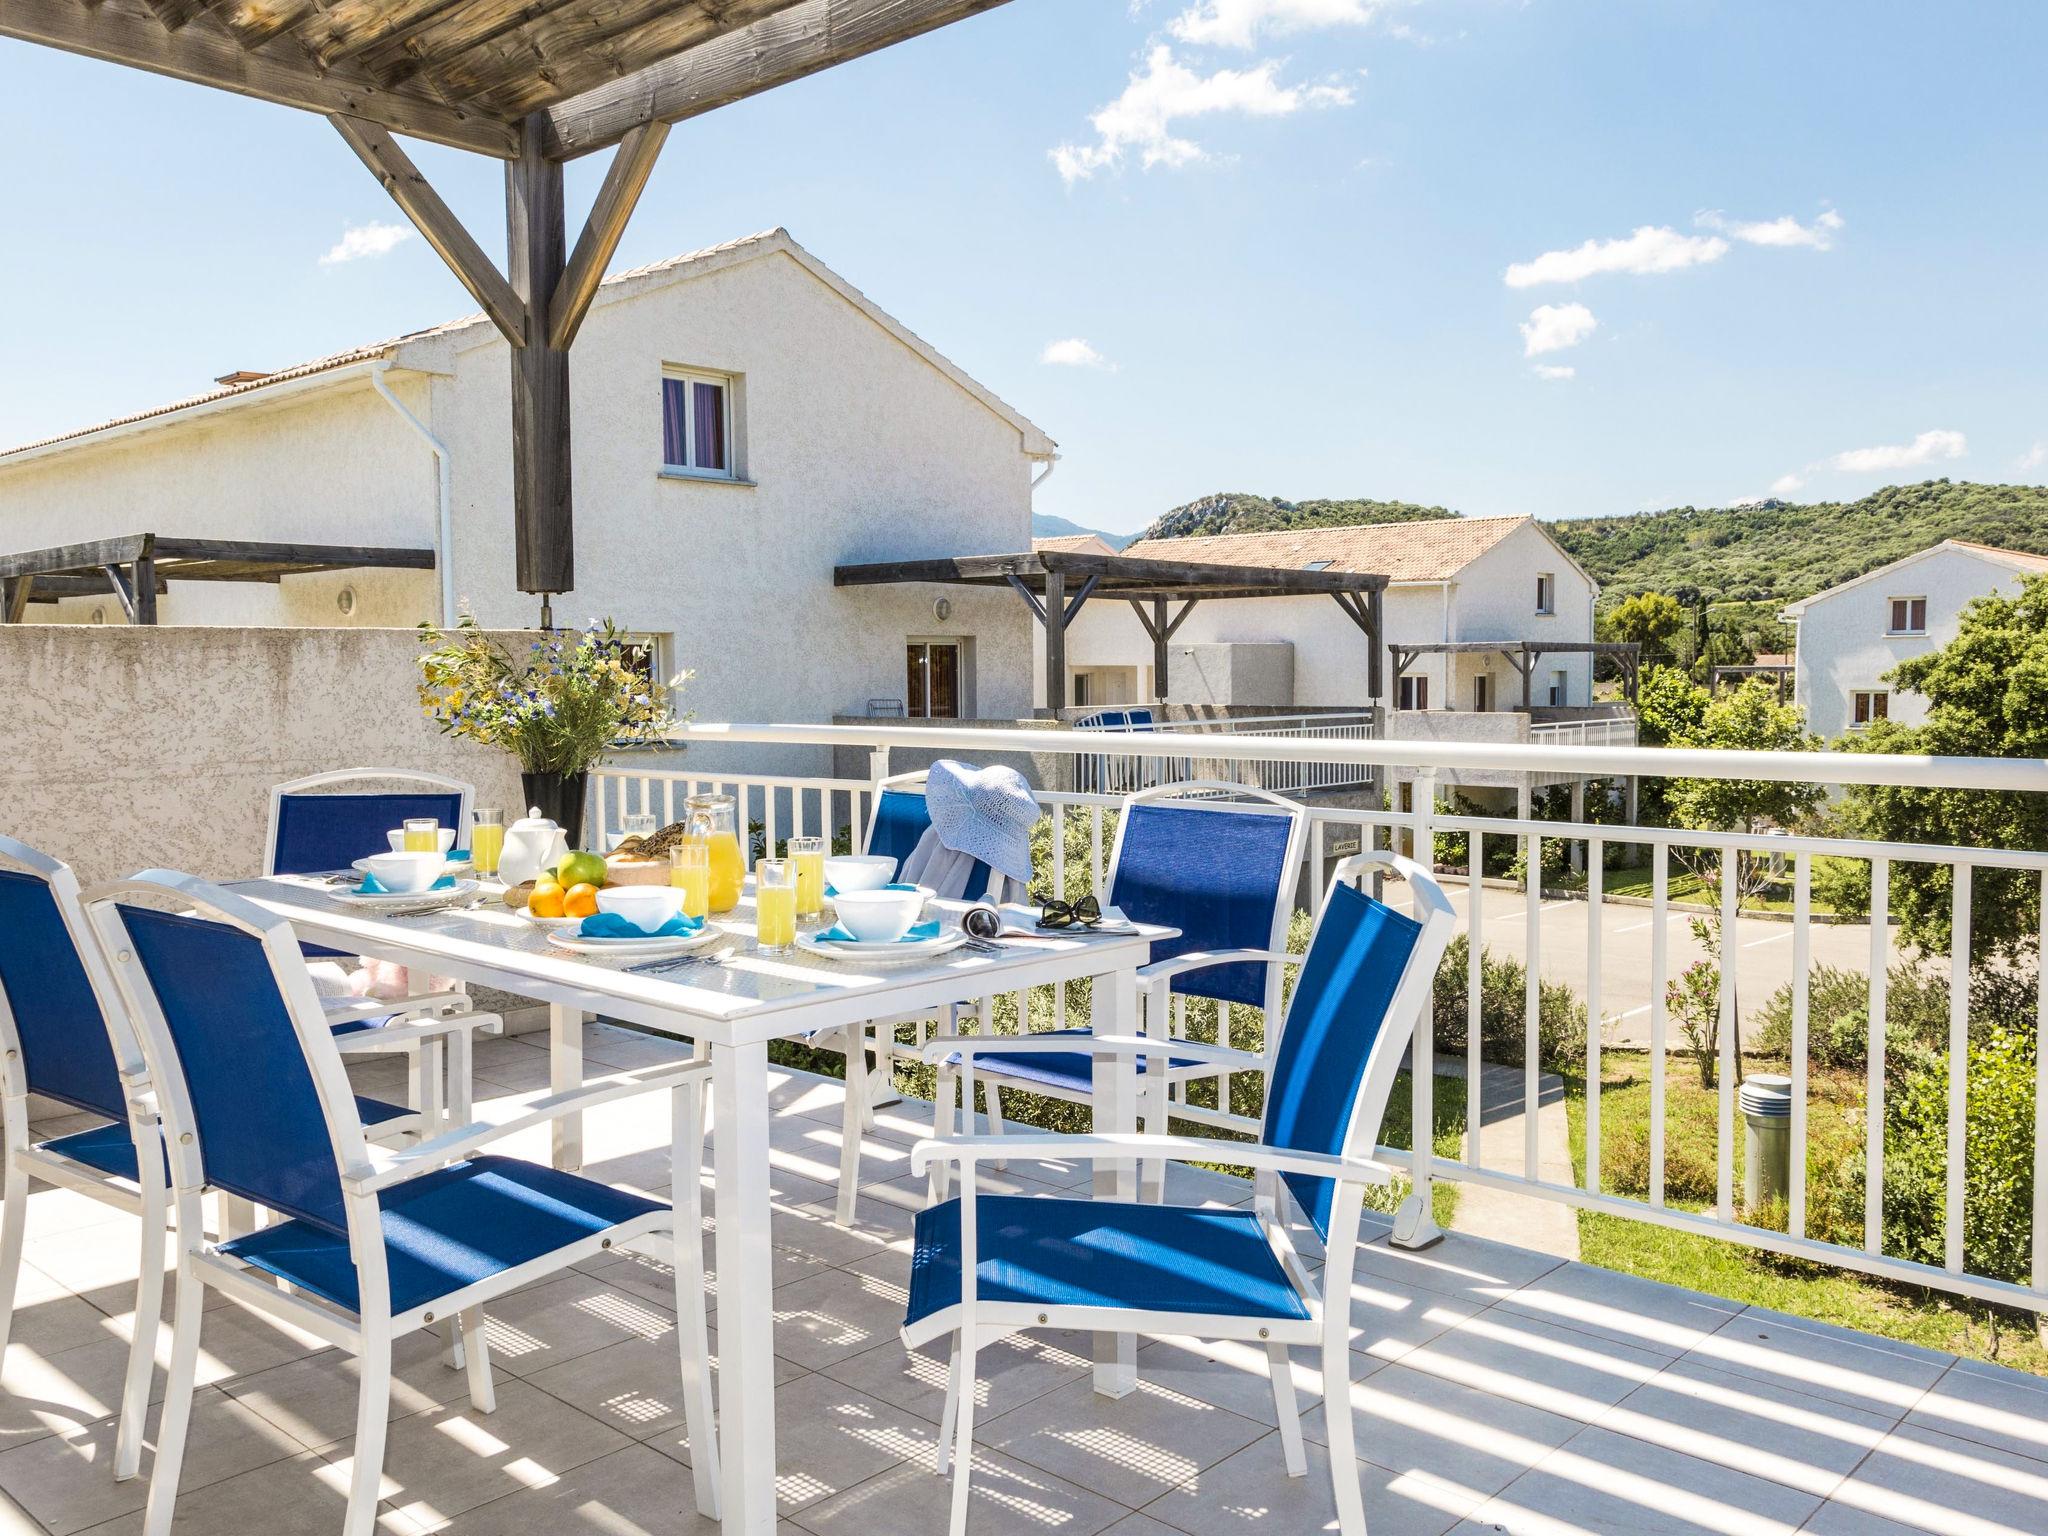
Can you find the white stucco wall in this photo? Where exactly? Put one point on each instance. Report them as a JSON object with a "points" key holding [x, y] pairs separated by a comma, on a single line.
{"points": [[1493, 598], [857, 447], [327, 464], [1843, 644]]}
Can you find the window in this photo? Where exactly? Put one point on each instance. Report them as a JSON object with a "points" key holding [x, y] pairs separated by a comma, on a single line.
{"points": [[932, 680], [1317, 565], [642, 654], [1909, 616], [1546, 593], [1482, 693], [696, 425], [1559, 688], [1869, 705], [1414, 693]]}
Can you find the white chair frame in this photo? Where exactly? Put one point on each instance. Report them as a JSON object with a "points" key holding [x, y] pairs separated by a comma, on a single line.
{"points": [[440, 1062], [1162, 1088], [675, 1235], [147, 1198], [976, 1324]]}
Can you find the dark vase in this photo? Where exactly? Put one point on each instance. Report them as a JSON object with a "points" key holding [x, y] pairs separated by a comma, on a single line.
{"points": [[559, 797]]}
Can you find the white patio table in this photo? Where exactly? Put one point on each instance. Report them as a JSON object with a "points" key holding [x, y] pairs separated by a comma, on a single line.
{"points": [[731, 1011]]}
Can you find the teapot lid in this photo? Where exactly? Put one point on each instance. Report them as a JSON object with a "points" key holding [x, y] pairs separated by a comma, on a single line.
{"points": [[533, 821]]}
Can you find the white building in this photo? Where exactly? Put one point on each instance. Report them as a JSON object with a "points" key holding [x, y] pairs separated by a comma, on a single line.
{"points": [[1852, 635], [1451, 581], [745, 420]]}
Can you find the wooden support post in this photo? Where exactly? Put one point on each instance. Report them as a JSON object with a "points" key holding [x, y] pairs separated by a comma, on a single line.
{"points": [[1160, 661], [623, 183], [1055, 642], [1377, 637], [117, 579], [145, 589], [536, 241], [17, 598]]}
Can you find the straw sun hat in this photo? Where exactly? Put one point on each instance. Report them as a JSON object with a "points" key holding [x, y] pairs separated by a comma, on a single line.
{"points": [[987, 813]]}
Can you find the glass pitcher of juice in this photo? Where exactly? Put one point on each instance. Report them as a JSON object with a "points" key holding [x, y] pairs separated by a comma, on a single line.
{"points": [[708, 819]]}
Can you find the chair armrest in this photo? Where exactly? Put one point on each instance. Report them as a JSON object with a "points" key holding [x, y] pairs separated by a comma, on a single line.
{"points": [[1195, 960], [340, 1010], [969, 1150], [390, 1037], [452, 1146], [939, 1047]]}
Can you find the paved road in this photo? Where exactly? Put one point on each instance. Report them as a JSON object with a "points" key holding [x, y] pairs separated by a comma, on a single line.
{"points": [[1763, 952]]}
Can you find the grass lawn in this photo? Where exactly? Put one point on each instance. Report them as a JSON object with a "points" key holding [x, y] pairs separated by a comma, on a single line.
{"points": [[1916, 1316], [1685, 886]]}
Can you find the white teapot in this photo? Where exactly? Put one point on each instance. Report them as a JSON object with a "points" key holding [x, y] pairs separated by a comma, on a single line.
{"points": [[532, 843]]}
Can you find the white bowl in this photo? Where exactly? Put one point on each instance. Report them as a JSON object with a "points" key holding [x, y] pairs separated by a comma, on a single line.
{"points": [[405, 873], [878, 917], [859, 872], [397, 839], [646, 907]]}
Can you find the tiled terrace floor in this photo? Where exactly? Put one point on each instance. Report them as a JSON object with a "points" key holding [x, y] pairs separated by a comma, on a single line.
{"points": [[1497, 1390]]}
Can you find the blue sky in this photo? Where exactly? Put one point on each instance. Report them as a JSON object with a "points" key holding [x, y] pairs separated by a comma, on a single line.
{"points": [[1300, 247]]}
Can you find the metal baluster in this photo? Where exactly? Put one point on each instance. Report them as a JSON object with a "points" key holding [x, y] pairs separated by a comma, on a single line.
{"points": [[1958, 1062], [1873, 1094], [1596, 856], [1724, 1105], [1802, 969], [1475, 1070], [1660, 973], [1532, 1001]]}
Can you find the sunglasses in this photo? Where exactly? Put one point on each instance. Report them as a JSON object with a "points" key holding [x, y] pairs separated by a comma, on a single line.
{"points": [[1085, 913]]}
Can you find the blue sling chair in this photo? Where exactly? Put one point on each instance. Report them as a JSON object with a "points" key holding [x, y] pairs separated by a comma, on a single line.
{"points": [[67, 1038], [1219, 862], [326, 822], [897, 822], [984, 1267], [249, 1090]]}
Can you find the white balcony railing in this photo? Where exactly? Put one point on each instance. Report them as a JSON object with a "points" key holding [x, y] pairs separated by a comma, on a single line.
{"points": [[787, 805], [1608, 731], [1120, 772]]}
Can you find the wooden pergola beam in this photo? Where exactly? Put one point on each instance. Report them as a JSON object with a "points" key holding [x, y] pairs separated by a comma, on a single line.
{"points": [[437, 222], [631, 165], [126, 32], [799, 41]]}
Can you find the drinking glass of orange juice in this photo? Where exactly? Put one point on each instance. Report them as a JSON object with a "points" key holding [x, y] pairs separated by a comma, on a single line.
{"points": [[422, 834], [808, 855], [775, 905], [689, 871], [487, 841]]}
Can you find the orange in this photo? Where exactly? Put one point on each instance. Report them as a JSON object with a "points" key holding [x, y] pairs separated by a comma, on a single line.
{"points": [[546, 901], [580, 900]]}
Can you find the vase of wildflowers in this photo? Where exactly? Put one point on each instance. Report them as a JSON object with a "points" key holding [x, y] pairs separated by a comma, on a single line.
{"points": [[560, 708]]}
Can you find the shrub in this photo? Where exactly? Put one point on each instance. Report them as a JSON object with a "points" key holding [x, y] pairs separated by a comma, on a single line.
{"points": [[1916, 1012], [1998, 1161], [1561, 1017]]}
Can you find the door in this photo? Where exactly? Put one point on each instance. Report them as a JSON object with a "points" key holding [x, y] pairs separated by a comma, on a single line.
{"points": [[1482, 693], [932, 680]]}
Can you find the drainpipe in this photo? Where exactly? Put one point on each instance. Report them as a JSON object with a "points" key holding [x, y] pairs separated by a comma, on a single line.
{"points": [[1052, 462], [444, 531]]}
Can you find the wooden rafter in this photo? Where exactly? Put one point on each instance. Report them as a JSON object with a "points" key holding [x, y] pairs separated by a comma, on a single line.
{"points": [[631, 165], [438, 223], [126, 32]]}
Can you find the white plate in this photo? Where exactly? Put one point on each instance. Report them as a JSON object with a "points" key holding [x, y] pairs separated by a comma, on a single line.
{"points": [[639, 948], [461, 890], [882, 954]]}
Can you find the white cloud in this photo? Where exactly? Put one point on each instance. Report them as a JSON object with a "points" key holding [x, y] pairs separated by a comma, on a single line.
{"points": [[1650, 249], [360, 240], [1554, 327], [1555, 371], [1240, 23], [1924, 449], [1785, 232], [2034, 457], [1142, 119], [1075, 352], [1927, 448]]}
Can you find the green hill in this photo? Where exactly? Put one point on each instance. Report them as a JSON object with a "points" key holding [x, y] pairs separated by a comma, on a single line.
{"points": [[1768, 551], [1241, 512], [1044, 525], [1780, 551]]}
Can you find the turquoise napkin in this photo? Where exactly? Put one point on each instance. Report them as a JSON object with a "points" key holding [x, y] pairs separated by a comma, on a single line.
{"points": [[372, 886], [833, 890], [838, 934], [609, 925]]}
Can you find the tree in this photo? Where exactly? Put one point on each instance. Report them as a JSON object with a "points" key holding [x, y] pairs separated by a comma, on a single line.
{"points": [[1746, 719], [1987, 696], [1670, 707], [1650, 620]]}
